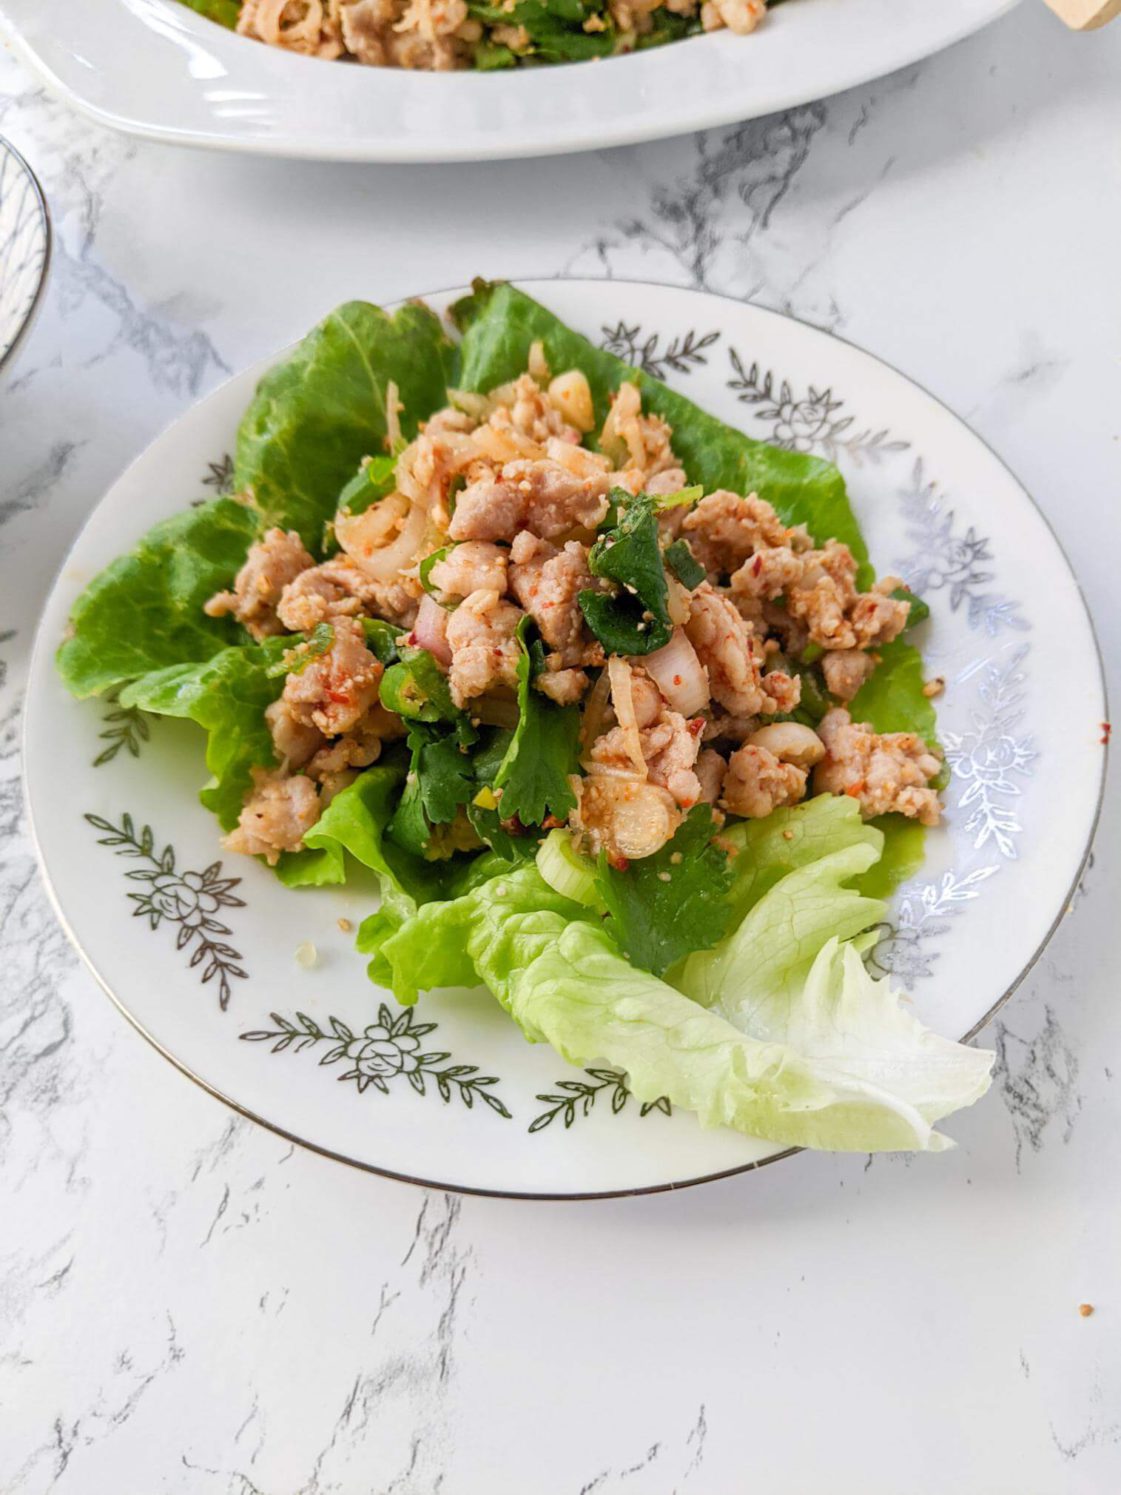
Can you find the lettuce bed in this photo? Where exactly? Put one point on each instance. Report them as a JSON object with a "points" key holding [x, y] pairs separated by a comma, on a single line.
{"points": [[724, 973]]}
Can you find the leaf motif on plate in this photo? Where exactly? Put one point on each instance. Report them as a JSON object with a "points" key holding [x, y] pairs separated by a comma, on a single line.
{"points": [[809, 422], [190, 900], [681, 354], [386, 1053], [577, 1098]]}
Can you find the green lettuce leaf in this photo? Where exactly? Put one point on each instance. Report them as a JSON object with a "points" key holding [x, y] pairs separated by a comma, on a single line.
{"points": [[144, 611], [892, 699], [227, 695], [843, 1068], [772, 948], [461, 941], [320, 411]]}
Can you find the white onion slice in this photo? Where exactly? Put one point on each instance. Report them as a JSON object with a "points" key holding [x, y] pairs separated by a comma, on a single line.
{"points": [[363, 538], [679, 675], [622, 699]]}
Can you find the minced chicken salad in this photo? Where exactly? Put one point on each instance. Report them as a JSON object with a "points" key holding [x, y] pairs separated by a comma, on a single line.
{"points": [[605, 693], [442, 35]]}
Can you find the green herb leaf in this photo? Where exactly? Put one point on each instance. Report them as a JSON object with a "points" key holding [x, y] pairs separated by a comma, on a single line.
{"points": [[635, 619], [670, 904], [684, 564], [533, 775]]}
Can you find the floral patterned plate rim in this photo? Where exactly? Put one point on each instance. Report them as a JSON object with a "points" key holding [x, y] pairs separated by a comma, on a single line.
{"points": [[157, 69], [202, 955], [25, 248]]}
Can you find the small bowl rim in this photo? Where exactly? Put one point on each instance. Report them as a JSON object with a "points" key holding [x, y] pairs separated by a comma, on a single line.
{"points": [[36, 303]]}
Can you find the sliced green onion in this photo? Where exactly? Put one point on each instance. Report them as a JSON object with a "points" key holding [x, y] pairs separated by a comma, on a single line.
{"points": [[565, 870]]}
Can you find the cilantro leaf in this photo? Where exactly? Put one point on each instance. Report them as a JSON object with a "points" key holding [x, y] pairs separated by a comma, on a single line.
{"points": [[670, 904], [439, 781], [533, 776], [635, 619]]}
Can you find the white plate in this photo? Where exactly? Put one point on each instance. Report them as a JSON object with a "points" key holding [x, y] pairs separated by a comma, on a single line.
{"points": [[155, 68], [1021, 719], [25, 248]]}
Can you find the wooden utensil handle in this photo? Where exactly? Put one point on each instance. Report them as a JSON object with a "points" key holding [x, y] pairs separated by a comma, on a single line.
{"points": [[1086, 15]]}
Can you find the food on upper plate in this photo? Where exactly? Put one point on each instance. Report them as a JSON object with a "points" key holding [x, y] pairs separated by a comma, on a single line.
{"points": [[441, 35], [605, 692]]}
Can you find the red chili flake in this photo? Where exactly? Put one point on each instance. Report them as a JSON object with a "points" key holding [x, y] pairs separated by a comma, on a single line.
{"points": [[619, 863], [551, 823], [696, 726], [677, 680], [855, 789], [757, 565], [1107, 732]]}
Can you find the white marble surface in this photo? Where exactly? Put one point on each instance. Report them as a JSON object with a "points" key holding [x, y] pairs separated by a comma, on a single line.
{"points": [[187, 1304]]}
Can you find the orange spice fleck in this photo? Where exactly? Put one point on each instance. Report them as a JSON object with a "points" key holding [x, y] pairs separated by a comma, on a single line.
{"points": [[1085, 1309]]}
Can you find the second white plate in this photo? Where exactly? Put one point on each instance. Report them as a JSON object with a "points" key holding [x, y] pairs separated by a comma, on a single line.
{"points": [[155, 68]]}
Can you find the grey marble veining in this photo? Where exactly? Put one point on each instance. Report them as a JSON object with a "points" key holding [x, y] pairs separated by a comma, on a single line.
{"points": [[189, 1304]]}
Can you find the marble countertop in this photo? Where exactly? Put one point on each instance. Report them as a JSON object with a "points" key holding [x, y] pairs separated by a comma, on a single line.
{"points": [[187, 1304]]}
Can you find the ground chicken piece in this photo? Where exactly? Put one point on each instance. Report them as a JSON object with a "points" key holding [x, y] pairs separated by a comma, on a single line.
{"points": [[306, 26], [474, 566], [740, 16], [669, 746], [757, 783], [338, 687], [728, 648], [548, 586], [845, 671], [723, 726], [526, 408], [483, 647], [272, 563], [646, 699], [565, 686], [724, 529], [710, 771], [336, 589], [488, 509], [295, 741], [819, 587], [364, 24], [670, 749], [638, 444], [558, 501], [885, 772], [277, 814]]}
